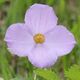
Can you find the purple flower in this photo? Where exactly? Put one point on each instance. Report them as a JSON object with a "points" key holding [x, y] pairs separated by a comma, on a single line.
{"points": [[39, 38]]}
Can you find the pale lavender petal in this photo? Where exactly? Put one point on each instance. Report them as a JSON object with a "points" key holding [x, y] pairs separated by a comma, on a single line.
{"points": [[40, 18], [61, 40], [18, 39], [18, 32], [42, 56], [19, 48]]}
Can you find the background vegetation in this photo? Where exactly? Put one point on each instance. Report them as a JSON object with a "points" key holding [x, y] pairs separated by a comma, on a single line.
{"points": [[16, 68]]}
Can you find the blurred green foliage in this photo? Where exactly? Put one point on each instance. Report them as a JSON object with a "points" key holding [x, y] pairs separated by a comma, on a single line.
{"points": [[13, 11]]}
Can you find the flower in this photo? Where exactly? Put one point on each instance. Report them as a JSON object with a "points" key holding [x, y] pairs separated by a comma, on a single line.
{"points": [[39, 38]]}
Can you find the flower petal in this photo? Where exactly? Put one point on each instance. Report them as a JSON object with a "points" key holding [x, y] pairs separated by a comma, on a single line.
{"points": [[42, 56], [40, 18], [61, 40], [19, 40], [19, 49], [18, 32]]}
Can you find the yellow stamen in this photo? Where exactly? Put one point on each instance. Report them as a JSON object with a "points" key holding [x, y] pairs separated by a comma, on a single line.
{"points": [[39, 38]]}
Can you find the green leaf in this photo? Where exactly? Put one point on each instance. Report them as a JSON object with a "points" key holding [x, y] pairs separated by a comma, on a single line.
{"points": [[2, 1], [29, 2], [76, 29], [4, 65], [73, 73], [16, 12], [18, 78], [50, 2], [47, 74]]}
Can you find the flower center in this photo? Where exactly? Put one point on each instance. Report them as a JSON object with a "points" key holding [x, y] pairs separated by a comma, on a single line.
{"points": [[39, 38]]}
